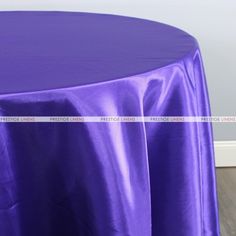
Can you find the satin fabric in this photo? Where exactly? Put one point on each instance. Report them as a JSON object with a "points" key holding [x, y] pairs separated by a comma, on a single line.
{"points": [[110, 179]]}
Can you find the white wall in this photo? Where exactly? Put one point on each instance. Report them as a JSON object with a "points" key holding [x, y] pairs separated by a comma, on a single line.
{"points": [[212, 22]]}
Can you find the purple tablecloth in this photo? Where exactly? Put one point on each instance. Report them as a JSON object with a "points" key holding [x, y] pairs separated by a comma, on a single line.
{"points": [[103, 179]]}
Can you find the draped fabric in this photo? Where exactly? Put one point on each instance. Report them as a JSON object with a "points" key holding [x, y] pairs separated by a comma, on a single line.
{"points": [[103, 179]]}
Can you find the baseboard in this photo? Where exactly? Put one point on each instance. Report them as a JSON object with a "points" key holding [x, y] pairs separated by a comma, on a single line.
{"points": [[225, 153]]}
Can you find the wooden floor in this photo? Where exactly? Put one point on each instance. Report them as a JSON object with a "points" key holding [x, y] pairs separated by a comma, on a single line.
{"points": [[226, 184]]}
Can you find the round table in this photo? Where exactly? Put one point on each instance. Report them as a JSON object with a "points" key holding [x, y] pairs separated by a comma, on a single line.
{"points": [[103, 178]]}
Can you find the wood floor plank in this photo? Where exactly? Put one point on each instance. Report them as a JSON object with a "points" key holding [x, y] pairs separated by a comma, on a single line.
{"points": [[226, 185]]}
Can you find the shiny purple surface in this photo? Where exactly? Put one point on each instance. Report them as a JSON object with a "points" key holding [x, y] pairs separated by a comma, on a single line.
{"points": [[103, 179], [45, 50]]}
